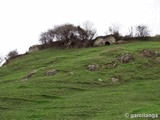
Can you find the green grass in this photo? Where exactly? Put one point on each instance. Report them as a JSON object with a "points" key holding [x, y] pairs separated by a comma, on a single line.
{"points": [[81, 96]]}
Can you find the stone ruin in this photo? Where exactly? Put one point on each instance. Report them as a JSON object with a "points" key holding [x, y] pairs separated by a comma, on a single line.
{"points": [[104, 40]]}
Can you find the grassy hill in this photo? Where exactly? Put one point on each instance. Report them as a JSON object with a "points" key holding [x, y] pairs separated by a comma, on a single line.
{"points": [[76, 93]]}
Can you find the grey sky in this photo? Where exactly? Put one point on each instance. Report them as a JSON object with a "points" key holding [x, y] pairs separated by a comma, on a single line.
{"points": [[22, 21]]}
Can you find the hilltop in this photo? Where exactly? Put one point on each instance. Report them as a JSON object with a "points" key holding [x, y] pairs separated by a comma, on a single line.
{"points": [[75, 93]]}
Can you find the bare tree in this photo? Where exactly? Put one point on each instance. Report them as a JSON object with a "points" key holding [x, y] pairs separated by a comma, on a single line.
{"points": [[90, 30], [12, 54], [114, 29], [65, 32], [131, 31], [46, 37], [142, 31], [68, 32], [58, 33]]}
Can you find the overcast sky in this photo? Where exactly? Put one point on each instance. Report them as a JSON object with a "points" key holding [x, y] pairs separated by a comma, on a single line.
{"points": [[22, 21]]}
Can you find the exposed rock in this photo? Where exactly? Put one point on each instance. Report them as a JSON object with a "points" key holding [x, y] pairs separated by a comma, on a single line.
{"points": [[51, 72], [158, 59], [104, 40], [31, 74], [126, 58], [110, 65], [34, 48], [148, 53], [93, 67], [110, 39], [99, 42], [114, 80]]}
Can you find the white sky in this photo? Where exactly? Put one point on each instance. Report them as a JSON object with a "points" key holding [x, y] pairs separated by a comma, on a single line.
{"points": [[22, 21]]}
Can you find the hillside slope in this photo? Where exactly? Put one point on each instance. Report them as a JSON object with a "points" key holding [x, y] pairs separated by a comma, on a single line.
{"points": [[75, 93]]}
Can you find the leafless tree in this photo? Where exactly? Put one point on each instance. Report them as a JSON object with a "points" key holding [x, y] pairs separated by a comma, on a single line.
{"points": [[46, 37], [67, 32], [12, 54], [114, 29], [90, 30], [142, 31], [131, 31]]}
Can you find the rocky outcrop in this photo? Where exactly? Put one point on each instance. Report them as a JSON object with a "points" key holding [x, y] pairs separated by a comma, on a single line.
{"points": [[109, 39], [99, 42], [34, 48], [126, 58], [93, 67], [104, 40], [147, 53]]}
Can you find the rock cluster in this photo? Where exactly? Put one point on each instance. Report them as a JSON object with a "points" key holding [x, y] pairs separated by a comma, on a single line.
{"points": [[147, 53], [104, 40], [93, 67], [126, 58]]}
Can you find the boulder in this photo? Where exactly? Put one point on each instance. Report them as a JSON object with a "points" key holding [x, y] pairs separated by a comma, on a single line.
{"points": [[51, 72], [99, 42], [93, 67], [158, 59], [148, 53], [126, 58]]}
